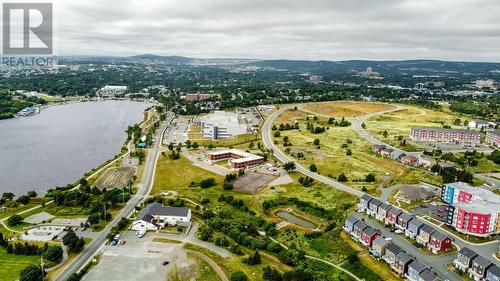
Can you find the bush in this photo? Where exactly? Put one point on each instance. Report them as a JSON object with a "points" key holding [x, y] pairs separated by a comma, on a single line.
{"points": [[238, 276], [370, 177], [14, 220], [342, 178], [206, 183]]}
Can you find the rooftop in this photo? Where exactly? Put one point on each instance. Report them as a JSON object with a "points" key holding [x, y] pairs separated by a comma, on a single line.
{"points": [[244, 156], [467, 252], [445, 130], [417, 266], [428, 275], [157, 209], [482, 261], [393, 248], [483, 201]]}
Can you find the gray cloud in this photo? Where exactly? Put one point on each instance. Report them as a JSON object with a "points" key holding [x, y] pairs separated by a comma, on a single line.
{"points": [[314, 29]]}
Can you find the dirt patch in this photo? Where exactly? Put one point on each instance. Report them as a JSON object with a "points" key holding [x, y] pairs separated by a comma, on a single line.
{"points": [[252, 182], [115, 178], [347, 109]]}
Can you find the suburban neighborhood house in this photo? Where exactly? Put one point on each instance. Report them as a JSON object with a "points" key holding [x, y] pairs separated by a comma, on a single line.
{"points": [[238, 159], [445, 135], [155, 217]]}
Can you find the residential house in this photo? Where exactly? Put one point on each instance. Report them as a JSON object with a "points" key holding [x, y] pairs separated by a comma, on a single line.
{"points": [[378, 247], [414, 269], [386, 152], [392, 216], [368, 235], [403, 221], [426, 162], [155, 216], [439, 243], [428, 275], [378, 147], [358, 229], [382, 211], [409, 160], [391, 250], [349, 223], [493, 273], [424, 235], [479, 267], [396, 155], [363, 203], [401, 263], [413, 228], [373, 207], [464, 258]]}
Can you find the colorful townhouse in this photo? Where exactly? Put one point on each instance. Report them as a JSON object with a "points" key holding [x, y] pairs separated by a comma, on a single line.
{"points": [[445, 135]]}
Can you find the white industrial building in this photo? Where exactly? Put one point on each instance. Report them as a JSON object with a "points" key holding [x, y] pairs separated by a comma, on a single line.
{"points": [[222, 125], [155, 216], [109, 91]]}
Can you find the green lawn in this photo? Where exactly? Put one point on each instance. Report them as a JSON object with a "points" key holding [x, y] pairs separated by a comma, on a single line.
{"points": [[11, 265], [174, 174]]}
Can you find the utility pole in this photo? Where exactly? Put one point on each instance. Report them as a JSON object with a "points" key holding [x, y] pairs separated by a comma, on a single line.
{"points": [[41, 265]]}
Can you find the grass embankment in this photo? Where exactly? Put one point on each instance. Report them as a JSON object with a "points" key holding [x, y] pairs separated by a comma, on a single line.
{"points": [[331, 157], [12, 265]]}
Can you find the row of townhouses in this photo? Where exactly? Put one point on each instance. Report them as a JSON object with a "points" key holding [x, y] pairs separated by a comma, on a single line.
{"points": [[380, 248], [478, 267], [403, 158], [412, 227], [445, 135]]}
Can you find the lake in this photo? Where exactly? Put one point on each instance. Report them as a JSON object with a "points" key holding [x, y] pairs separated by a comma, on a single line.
{"points": [[63, 142], [296, 220]]}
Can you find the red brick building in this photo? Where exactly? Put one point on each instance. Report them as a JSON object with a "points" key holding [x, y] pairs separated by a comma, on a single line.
{"points": [[445, 135], [238, 159]]}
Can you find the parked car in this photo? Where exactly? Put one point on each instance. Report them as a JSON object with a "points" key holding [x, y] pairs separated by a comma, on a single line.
{"points": [[117, 236], [398, 231], [114, 243], [121, 242], [166, 262]]}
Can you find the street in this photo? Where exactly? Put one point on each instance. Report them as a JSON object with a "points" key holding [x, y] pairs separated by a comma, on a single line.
{"points": [[144, 188]]}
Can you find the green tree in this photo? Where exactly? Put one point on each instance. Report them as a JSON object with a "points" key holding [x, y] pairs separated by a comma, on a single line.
{"points": [[271, 274], [14, 220], [206, 183], [342, 178], [32, 272], [53, 253], [289, 166], [239, 276], [316, 142], [313, 168], [370, 177], [385, 134]]}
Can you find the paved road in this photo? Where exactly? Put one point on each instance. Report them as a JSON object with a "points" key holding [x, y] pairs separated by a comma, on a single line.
{"points": [[266, 137], [144, 189]]}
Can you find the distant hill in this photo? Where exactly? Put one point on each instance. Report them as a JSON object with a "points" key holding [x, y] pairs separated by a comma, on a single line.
{"points": [[164, 59], [392, 67]]}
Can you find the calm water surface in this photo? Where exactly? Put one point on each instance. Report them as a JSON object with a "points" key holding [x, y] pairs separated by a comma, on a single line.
{"points": [[59, 145]]}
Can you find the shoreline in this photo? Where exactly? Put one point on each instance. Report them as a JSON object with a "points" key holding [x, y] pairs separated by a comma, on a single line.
{"points": [[119, 153]]}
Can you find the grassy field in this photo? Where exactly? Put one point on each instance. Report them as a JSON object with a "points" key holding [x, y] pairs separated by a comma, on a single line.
{"points": [[11, 265], [206, 272], [381, 268], [175, 174], [346, 109], [331, 158]]}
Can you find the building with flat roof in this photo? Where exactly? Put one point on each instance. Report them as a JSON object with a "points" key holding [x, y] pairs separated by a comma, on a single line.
{"points": [[445, 135], [109, 91], [197, 96], [493, 138], [222, 125], [471, 210], [238, 159]]}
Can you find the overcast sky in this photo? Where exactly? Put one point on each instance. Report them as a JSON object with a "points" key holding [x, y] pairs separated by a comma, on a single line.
{"points": [[294, 29]]}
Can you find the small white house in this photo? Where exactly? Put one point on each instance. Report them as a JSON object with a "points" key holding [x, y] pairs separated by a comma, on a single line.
{"points": [[155, 216]]}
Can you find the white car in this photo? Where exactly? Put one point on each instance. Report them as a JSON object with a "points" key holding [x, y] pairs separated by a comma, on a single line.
{"points": [[398, 231]]}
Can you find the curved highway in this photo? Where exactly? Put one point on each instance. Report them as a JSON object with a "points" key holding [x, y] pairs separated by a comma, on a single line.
{"points": [[268, 142]]}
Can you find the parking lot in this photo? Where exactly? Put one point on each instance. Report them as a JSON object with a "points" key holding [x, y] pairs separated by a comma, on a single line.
{"points": [[251, 182], [139, 259], [178, 132]]}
